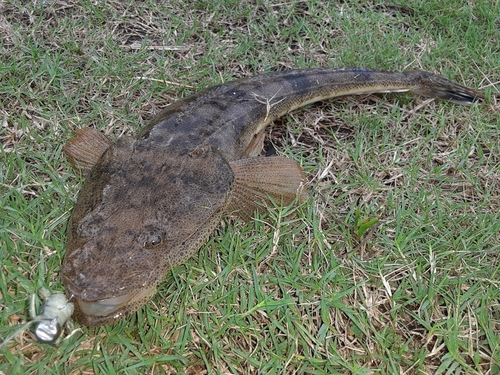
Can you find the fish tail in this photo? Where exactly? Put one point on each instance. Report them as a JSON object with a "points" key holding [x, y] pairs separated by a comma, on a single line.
{"points": [[432, 85]]}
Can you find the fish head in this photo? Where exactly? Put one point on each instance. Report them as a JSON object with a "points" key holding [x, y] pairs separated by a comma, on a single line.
{"points": [[140, 212]]}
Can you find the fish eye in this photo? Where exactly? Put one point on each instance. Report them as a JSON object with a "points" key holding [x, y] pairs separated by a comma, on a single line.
{"points": [[153, 240], [152, 237]]}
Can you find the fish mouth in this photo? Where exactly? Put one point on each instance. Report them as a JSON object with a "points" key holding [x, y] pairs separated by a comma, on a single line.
{"points": [[116, 306]]}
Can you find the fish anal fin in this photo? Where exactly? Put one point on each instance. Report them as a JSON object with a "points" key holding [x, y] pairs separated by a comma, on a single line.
{"points": [[84, 150], [256, 145], [261, 180]]}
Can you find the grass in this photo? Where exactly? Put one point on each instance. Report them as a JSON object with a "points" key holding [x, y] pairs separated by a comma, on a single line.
{"points": [[392, 266]]}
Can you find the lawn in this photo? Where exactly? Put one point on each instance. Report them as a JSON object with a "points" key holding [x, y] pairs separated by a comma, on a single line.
{"points": [[391, 266]]}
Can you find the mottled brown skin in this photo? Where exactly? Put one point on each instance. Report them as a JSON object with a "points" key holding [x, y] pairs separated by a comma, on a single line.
{"points": [[150, 203]]}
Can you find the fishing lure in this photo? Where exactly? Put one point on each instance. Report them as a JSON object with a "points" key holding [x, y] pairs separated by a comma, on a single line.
{"points": [[55, 313]]}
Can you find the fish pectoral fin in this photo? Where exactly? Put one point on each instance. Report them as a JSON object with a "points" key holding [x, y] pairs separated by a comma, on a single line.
{"points": [[84, 150], [262, 180]]}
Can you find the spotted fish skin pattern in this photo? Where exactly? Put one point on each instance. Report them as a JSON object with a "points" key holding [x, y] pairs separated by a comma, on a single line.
{"points": [[230, 115], [150, 202]]}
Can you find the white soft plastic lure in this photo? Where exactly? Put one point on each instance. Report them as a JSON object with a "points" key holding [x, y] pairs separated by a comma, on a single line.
{"points": [[55, 313]]}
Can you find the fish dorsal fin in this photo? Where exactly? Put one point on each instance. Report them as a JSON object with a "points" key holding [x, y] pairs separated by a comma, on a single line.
{"points": [[84, 150], [261, 180]]}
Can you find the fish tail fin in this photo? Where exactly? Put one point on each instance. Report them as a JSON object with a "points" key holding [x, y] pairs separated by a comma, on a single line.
{"points": [[432, 85]]}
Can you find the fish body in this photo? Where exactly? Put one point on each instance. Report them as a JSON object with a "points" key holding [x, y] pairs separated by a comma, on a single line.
{"points": [[149, 203]]}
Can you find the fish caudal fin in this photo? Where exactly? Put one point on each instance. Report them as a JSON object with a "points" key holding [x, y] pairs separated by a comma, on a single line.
{"points": [[433, 85], [86, 148], [260, 181]]}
